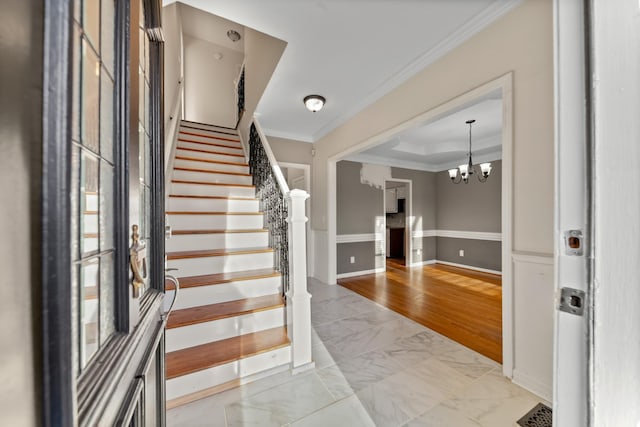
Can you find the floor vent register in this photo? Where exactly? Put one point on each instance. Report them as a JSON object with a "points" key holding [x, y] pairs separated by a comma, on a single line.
{"points": [[540, 416]]}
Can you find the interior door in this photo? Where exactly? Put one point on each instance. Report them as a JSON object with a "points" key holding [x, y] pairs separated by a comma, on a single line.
{"points": [[102, 309]]}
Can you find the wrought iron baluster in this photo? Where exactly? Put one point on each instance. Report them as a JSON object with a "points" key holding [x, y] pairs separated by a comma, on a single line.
{"points": [[272, 203]]}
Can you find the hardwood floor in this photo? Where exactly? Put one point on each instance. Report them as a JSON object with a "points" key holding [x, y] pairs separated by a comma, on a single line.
{"points": [[464, 305]]}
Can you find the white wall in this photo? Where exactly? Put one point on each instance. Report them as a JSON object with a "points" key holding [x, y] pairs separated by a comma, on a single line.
{"points": [[616, 339], [209, 89]]}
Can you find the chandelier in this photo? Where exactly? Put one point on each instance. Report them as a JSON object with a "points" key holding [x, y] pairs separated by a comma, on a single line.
{"points": [[469, 169]]}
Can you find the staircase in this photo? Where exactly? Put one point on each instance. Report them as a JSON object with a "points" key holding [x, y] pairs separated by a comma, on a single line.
{"points": [[228, 325]]}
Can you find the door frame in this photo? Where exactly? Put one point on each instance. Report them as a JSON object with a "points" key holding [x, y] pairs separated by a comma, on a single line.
{"points": [[505, 83], [573, 210], [408, 223]]}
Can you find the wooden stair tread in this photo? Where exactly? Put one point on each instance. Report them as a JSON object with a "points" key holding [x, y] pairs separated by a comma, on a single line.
{"points": [[209, 152], [218, 231], [191, 123], [195, 159], [194, 359], [215, 252], [223, 310], [194, 196], [180, 181], [209, 136], [211, 213], [212, 144], [177, 168], [221, 278]]}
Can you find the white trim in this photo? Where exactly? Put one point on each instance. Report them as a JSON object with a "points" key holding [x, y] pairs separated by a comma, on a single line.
{"points": [[355, 238], [423, 263], [533, 385], [533, 258], [505, 83], [469, 267], [456, 234], [360, 273]]}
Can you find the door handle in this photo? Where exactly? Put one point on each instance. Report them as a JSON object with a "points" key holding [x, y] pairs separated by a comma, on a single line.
{"points": [[138, 261]]}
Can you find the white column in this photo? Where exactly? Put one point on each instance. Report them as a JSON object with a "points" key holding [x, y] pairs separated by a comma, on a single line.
{"points": [[298, 298]]}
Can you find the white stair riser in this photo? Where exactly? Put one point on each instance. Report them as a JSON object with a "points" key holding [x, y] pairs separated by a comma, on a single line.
{"points": [[210, 130], [216, 222], [191, 383], [210, 156], [211, 190], [202, 333], [212, 205], [223, 167], [211, 138], [223, 292], [208, 147], [194, 242], [222, 264], [211, 177]]}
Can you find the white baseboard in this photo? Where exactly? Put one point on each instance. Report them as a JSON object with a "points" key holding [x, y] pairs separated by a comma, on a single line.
{"points": [[470, 267], [534, 385], [421, 263], [360, 273]]}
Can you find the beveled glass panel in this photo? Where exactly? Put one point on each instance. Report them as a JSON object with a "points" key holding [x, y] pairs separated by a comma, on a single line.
{"points": [[75, 318], [89, 202], [147, 159], [147, 109], [107, 115], [108, 35], [89, 310], [91, 22], [142, 152], [141, 97], [143, 224], [107, 297], [75, 90], [75, 203], [90, 98], [107, 217], [147, 55], [141, 38]]}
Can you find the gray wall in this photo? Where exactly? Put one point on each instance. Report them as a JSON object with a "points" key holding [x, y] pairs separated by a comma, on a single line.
{"points": [[436, 204], [364, 253], [357, 205], [21, 37], [474, 206], [477, 253]]}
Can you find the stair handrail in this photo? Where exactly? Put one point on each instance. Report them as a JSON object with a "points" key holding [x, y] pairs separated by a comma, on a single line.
{"points": [[172, 128], [238, 89], [286, 219]]}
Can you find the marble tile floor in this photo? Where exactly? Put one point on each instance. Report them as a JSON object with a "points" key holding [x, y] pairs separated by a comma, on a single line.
{"points": [[374, 367]]}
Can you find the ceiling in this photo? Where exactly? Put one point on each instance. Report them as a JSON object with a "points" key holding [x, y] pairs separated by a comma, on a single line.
{"points": [[444, 142], [350, 51], [211, 28]]}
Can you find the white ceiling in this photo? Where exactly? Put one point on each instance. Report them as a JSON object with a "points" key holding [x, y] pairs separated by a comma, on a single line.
{"points": [[350, 51], [211, 28], [444, 143]]}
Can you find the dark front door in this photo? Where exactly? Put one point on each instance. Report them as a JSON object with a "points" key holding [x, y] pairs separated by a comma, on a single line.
{"points": [[103, 214]]}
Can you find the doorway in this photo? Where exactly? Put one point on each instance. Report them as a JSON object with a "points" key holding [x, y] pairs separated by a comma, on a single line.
{"points": [[398, 219]]}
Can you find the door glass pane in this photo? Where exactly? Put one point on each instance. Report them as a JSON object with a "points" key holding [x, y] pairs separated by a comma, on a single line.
{"points": [[106, 118], [89, 288], [107, 297], [106, 207], [89, 203], [91, 24], [77, 63], [108, 39], [90, 97], [75, 203]]}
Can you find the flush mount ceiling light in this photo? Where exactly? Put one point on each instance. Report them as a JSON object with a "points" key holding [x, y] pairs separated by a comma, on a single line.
{"points": [[469, 169], [233, 35], [314, 102]]}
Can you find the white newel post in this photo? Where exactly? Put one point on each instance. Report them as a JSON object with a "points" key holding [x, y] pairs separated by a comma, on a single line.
{"points": [[298, 299]]}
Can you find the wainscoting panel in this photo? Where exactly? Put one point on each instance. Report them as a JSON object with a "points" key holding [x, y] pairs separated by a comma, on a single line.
{"points": [[533, 322]]}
